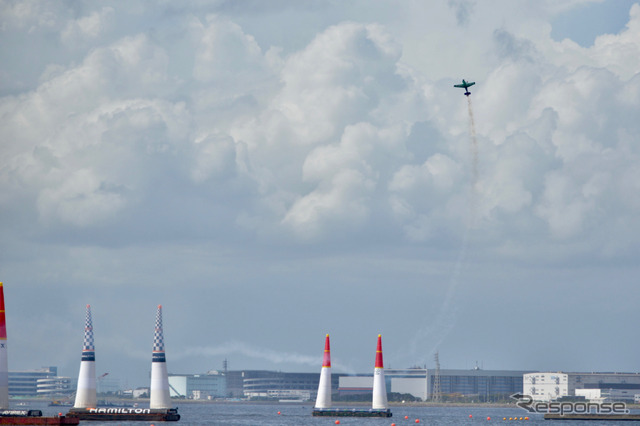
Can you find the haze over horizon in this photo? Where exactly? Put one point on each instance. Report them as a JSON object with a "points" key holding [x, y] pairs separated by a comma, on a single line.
{"points": [[271, 172]]}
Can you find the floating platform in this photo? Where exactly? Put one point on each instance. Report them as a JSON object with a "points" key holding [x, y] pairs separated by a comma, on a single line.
{"points": [[348, 412], [33, 417], [106, 414], [587, 416]]}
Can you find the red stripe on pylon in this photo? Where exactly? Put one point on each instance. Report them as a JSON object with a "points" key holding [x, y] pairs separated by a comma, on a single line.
{"points": [[379, 363], [326, 360], [3, 321]]}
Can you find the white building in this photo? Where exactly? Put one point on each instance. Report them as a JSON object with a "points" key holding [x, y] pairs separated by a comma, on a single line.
{"points": [[413, 386], [601, 395], [140, 392], [291, 394], [547, 386], [592, 395], [55, 386], [198, 386]]}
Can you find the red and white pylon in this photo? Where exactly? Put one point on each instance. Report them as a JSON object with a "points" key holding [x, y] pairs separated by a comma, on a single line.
{"points": [[4, 363], [379, 386], [323, 400]]}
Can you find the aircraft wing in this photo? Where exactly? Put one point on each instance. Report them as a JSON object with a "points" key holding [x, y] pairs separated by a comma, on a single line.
{"points": [[460, 85], [471, 84]]}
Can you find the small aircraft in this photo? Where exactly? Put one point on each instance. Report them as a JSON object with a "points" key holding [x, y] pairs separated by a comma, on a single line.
{"points": [[465, 85]]}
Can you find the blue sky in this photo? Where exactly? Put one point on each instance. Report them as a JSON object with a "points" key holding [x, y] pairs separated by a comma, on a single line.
{"points": [[271, 172], [585, 22]]}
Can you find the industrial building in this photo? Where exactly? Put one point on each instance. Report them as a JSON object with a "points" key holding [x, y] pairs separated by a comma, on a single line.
{"points": [[198, 386], [252, 384], [53, 386], [43, 381], [486, 385], [547, 386], [630, 396], [275, 384]]}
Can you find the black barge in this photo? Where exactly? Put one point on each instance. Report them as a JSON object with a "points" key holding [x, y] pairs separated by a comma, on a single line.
{"points": [[349, 412], [587, 416], [125, 414]]}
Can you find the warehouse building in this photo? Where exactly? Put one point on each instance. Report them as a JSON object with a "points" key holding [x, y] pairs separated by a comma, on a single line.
{"points": [[486, 385], [255, 384], [42, 381], [198, 386], [548, 386]]}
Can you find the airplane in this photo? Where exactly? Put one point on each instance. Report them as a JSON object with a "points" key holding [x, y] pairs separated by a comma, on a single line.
{"points": [[465, 85]]}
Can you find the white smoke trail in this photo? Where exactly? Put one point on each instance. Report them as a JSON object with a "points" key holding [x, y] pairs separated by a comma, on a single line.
{"points": [[235, 347], [446, 318], [474, 145], [472, 214]]}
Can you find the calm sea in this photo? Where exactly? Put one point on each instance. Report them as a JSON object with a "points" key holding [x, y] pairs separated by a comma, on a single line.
{"points": [[293, 415]]}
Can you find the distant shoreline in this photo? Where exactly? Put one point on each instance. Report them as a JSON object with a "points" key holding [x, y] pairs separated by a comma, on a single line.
{"points": [[144, 401]]}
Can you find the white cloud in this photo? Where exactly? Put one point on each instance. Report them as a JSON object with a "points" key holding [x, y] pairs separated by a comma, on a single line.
{"points": [[617, 53], [337, 80], [225, 54], [343, 204], [130, 68], [215, 157], [564, 206], [84, 30], [92, 164], [321, 133], [29, 15], [330, 91], [82, 199], [421, 196]]}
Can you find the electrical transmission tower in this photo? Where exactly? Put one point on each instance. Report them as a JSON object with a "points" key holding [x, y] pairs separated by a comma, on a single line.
{"points": [[437, 392]]}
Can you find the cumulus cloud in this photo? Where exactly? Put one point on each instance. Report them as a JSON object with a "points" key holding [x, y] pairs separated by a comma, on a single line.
{"points": [[617, 53], [29, 15], [421, 195], [215, 157], [84, 30], [337, 80], [81, 199], [323, 134], [331, 92], [224, 53]]}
